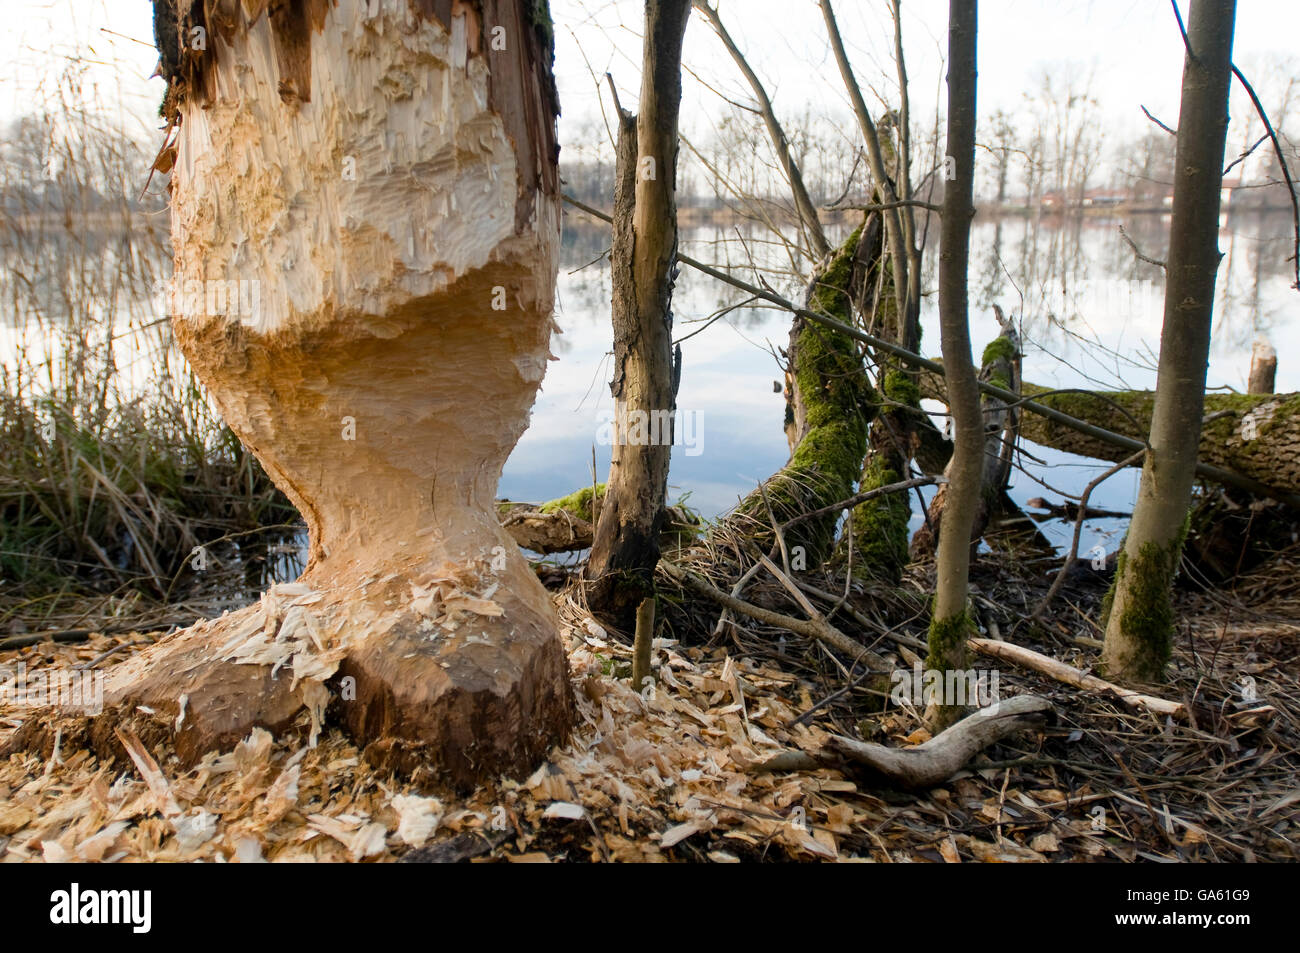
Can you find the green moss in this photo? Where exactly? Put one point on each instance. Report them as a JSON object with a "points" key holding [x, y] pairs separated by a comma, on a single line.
{"points": [[830, 293], [579, 503], [824, 468], [901, 387], [838, 403], [1148, 615], [946, 641], [999, 356], [1238, 405], [999, 349], [539, 16], [880, 534]]}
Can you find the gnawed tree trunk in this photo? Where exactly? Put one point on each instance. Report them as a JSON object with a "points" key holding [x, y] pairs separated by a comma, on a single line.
{"points": [[385, 177], [950, 623], [1138, 615], [1263, 369], [623, 557]]}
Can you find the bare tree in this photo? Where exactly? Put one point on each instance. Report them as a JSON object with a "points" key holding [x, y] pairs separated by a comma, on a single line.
{"points": [[811, 224], [950, 624], [1139, 615], [643, 256]]}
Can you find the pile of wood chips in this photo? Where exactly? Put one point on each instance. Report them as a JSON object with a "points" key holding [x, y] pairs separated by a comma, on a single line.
{"points": [[664, 775]]}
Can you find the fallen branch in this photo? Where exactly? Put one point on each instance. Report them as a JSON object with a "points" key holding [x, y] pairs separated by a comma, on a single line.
{"points": [[819, 630], [1070, 675], [948, 752]]}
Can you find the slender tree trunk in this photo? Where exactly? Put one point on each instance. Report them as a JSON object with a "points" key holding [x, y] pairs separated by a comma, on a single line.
{"points": [[950, 624], [382, 181], [1139, 622], [626, 548]]}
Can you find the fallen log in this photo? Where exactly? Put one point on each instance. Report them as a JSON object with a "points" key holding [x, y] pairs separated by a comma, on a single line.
{"points": [[1255, 435], [566, 524], [949, 751]]}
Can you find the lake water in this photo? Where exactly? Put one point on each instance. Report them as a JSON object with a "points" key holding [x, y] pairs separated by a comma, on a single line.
{"points": [[1090, 314]]}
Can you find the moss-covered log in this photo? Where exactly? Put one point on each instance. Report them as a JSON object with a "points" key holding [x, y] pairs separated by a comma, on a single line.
{"points": [[1257, 435], [829, 407], [879, 527], [565, 524]]}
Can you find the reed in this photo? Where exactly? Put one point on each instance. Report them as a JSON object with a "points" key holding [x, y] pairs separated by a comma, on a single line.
{"points": [[113, 463]]}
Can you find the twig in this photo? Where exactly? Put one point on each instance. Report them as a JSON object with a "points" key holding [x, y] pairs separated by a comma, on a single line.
{"points": [[1059, 581], [1281, 161], [822, 632], [1172, 132], [1138, 252], [1070, 675]]}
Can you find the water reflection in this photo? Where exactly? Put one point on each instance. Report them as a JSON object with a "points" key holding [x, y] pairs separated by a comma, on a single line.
{"points": [[1090, 311]]}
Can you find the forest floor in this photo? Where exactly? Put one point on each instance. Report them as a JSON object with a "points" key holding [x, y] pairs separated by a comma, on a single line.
{"points": [[675, 775]]}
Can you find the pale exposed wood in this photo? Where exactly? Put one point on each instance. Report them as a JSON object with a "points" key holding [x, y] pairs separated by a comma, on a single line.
{"points": [[387, 191], [938, 759], [1263, 369], [1045, 665]]}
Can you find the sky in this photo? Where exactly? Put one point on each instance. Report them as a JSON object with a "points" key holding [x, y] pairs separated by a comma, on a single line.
{"points": [[1129, 48]]}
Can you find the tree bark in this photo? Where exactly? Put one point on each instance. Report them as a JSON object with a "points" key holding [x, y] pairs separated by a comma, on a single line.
{"points": [[626, 548], [1139, 616], [950, 624], [880, 526], [384, 177], [829, 406], [1256, 435]]}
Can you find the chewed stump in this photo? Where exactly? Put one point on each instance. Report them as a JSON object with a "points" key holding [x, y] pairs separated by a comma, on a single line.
{"points": [[366, 222]]}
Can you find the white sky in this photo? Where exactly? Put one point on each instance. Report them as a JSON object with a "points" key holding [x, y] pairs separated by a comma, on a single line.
{"points": [[1131, 49]]}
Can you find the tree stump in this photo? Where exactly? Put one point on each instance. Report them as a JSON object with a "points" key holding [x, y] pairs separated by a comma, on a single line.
{"points": [[375, 186]]}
